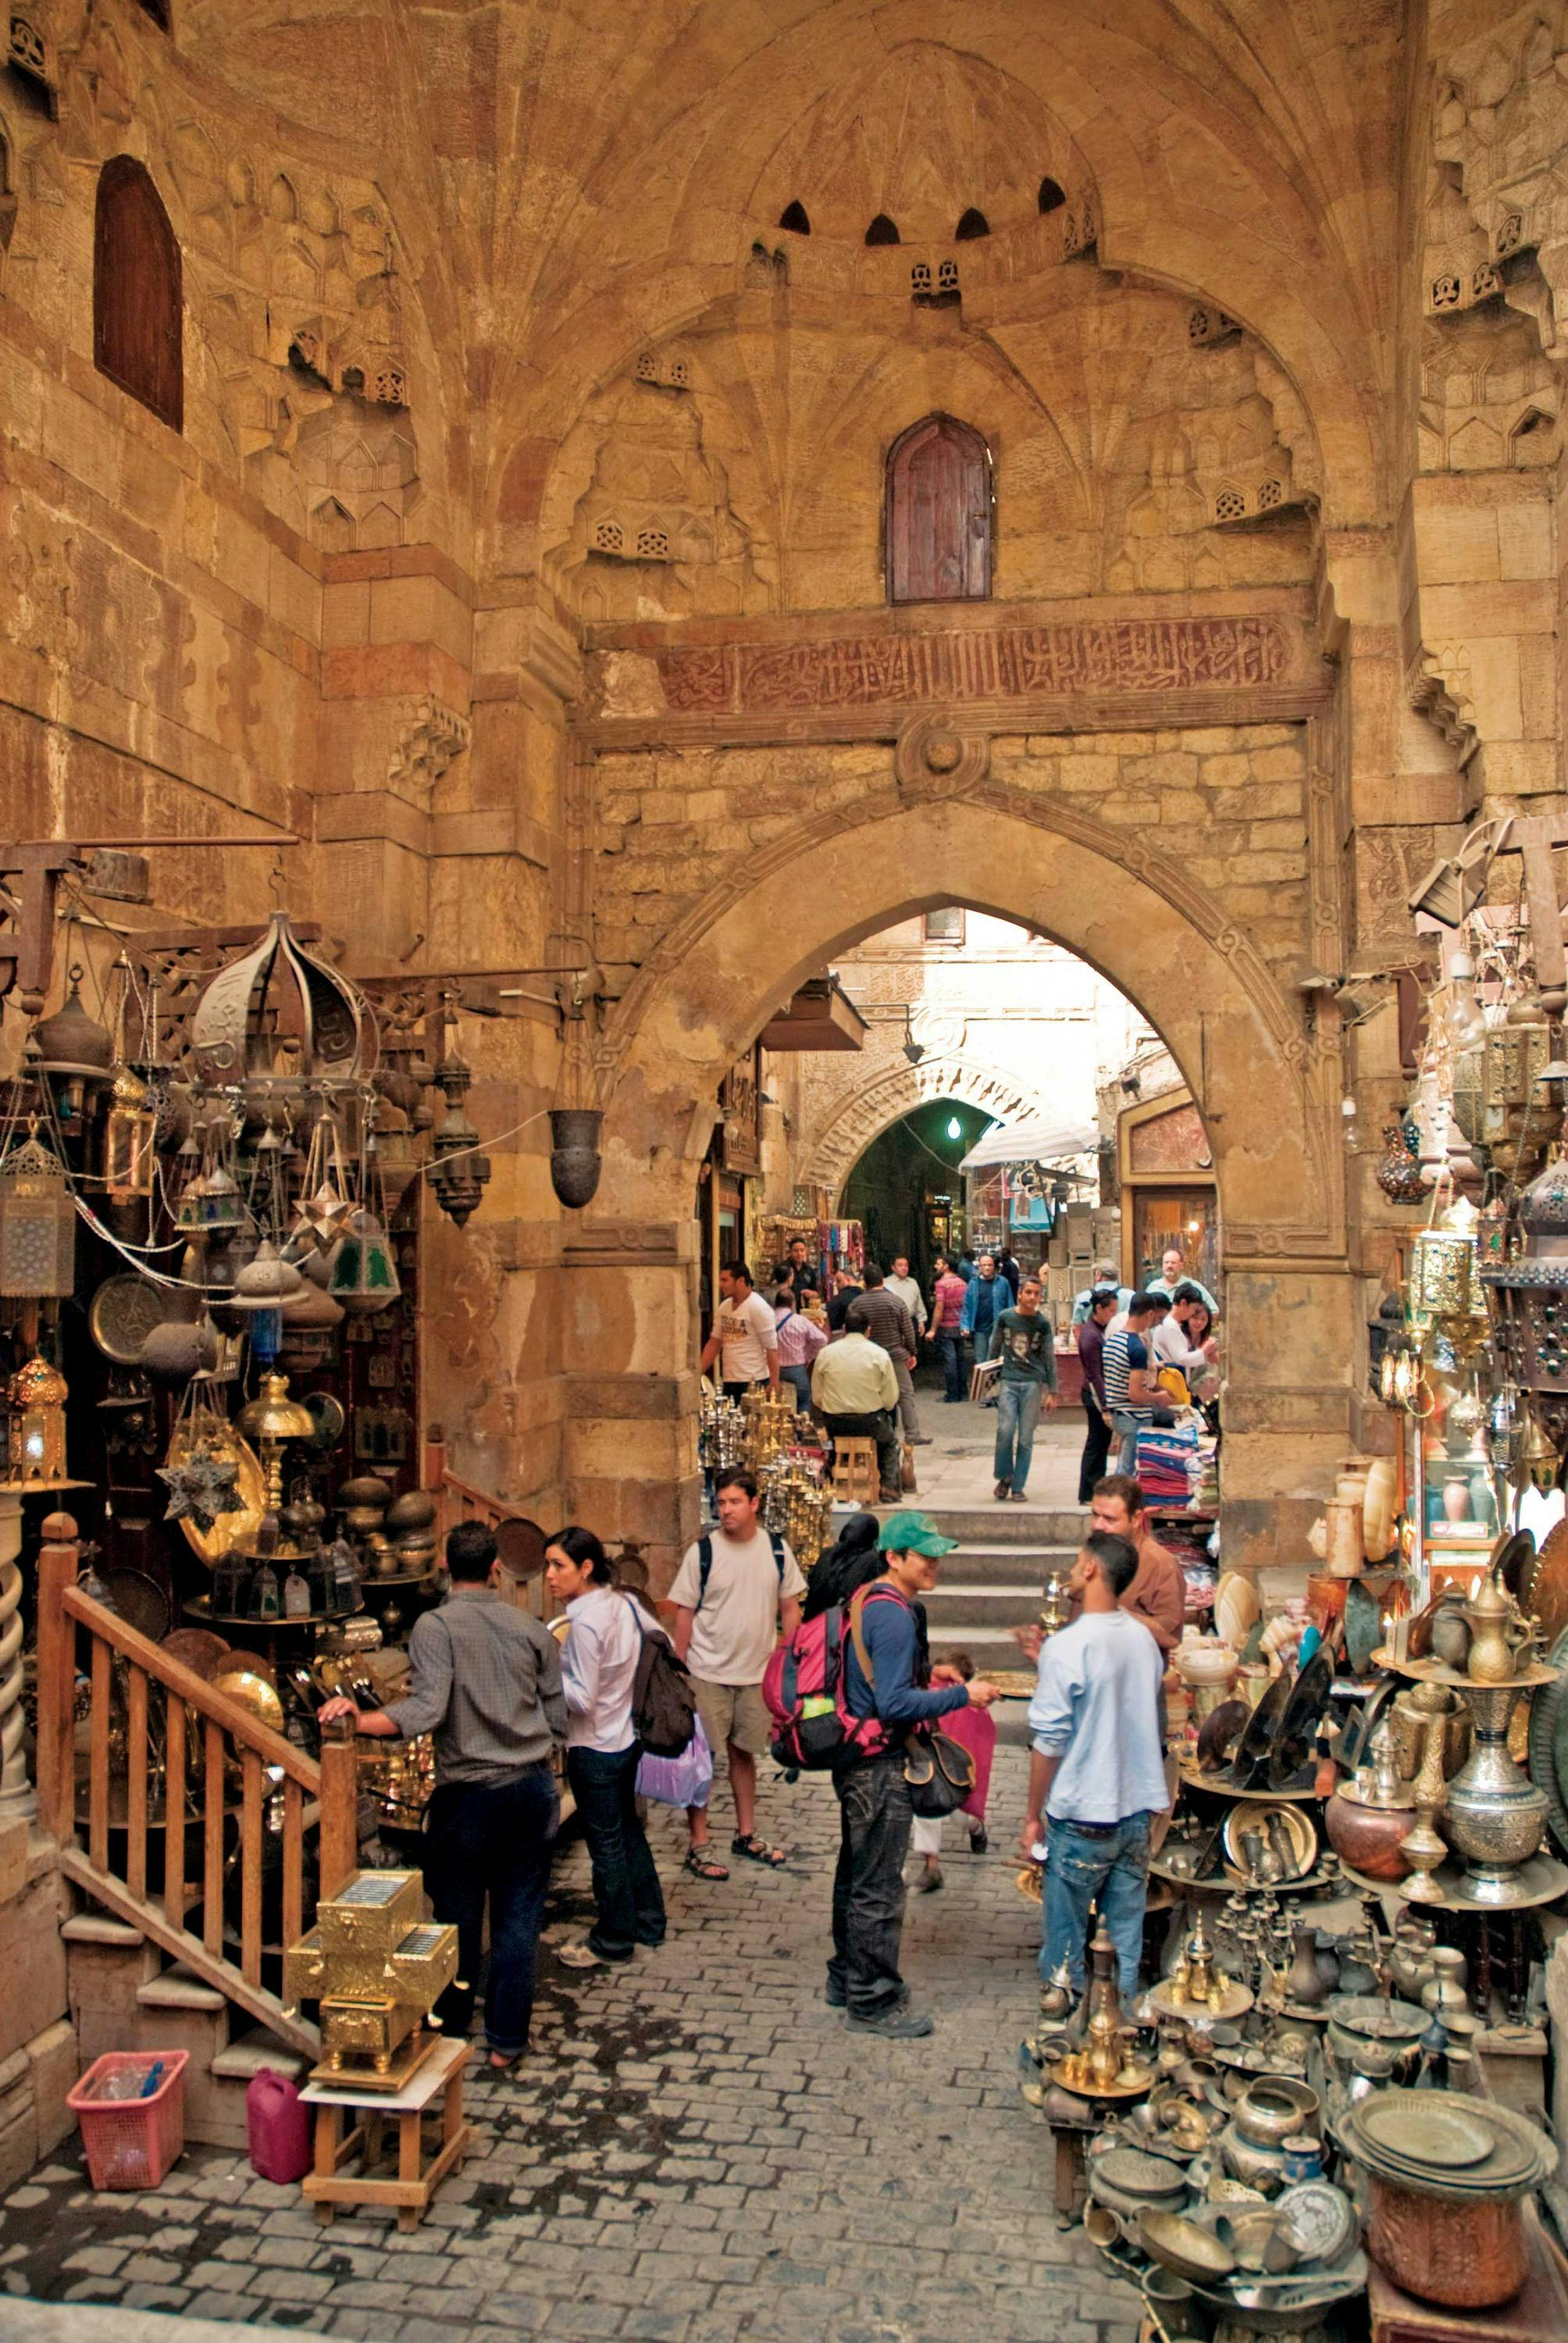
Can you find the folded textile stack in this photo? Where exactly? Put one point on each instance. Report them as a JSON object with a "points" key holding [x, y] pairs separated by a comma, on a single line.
{"points": [[1168, 1463]]}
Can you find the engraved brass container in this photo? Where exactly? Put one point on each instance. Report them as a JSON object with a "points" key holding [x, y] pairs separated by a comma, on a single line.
{"points": [[377, 1968]]}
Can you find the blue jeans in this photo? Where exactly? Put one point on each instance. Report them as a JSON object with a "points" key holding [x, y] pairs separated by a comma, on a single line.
{"points": [[799, 1378], [625, 1883], [952, 1349], [1110, 1869], [875, 1820], [494, 1840], [1016, 1414]]}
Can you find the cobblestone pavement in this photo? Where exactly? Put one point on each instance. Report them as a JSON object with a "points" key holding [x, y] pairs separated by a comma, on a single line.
{"points": [[697, 2151]]}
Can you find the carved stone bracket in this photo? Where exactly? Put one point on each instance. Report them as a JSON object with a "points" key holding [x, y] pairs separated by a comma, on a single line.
{"points": [[1437, 686], [435, 736]]}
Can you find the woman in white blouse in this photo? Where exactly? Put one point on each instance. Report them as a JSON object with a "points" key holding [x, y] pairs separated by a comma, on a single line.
{"points": [[598, 1672]]}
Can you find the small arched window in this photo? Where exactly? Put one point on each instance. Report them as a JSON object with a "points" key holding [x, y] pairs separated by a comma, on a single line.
{"points": [[881, 230], [972, 224], [793, 218], [1052, 198], [937, 513], [137, 310]]}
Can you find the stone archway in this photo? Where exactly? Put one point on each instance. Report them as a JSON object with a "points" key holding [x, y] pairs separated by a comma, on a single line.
{"points": [[832, 1152], [1269, 1094]]}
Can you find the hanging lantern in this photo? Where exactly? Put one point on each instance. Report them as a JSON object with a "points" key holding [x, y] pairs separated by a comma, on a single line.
{"points": [[261, 1288], [276, 1018], [364, 1277], [459, 1171], [211, 1203], [1531, 1293], [1444, 1275], [72, 1048], [37, 1224], [130, 1138], [35, 1439]]}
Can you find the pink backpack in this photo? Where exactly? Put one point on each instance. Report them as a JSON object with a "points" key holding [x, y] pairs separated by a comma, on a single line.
{"points": [[804, 1689]]}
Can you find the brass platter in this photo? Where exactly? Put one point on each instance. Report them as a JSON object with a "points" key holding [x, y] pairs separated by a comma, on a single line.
{"points": [[229, 1529], [1013, 1684]]}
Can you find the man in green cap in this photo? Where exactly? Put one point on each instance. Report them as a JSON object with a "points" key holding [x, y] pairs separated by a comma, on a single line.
{"points": [[887, 1677]]}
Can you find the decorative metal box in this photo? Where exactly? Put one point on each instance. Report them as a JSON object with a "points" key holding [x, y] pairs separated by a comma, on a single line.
{"points": [[377, 1968]]}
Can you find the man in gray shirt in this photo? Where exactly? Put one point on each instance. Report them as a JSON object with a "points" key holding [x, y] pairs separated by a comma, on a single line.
{"points": [[889, 1325], [486, 1684]]}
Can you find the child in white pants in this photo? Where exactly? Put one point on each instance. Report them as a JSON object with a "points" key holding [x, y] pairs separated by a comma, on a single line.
{"points": [[926, 1835]]}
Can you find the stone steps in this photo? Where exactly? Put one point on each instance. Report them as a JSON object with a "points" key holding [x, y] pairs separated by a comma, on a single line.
{"points": [[1023, 1567]]}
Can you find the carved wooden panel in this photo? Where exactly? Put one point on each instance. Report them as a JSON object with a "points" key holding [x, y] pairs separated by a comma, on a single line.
{"points": [[137, 305], [939, 513]]}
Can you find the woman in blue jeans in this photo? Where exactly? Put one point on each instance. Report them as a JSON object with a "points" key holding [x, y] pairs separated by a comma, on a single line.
{"points": [[599, 1671]]}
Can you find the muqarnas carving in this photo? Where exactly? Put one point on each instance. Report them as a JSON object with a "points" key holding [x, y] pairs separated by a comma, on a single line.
{"points": [[655, 529]]}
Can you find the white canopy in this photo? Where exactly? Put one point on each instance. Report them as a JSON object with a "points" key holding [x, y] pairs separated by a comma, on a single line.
{"points": [[1031, 1142]]}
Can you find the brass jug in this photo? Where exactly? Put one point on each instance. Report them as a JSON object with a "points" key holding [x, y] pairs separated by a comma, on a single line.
{"points": [[1497, 1634]]}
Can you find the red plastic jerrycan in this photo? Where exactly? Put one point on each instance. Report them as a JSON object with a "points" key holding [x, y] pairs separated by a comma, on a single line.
{"points": [[277, 2125]]}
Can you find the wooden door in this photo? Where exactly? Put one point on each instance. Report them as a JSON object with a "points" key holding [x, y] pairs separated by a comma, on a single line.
{"points": [[939, 513], [138, 307]]}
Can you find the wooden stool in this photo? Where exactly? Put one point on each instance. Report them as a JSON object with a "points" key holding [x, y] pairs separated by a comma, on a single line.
{"points": [[855, 1475], [327, 2188]]}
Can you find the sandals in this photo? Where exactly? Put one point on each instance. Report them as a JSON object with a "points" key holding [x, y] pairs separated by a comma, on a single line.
{"points": [[757, 1850], [703, 1866]]}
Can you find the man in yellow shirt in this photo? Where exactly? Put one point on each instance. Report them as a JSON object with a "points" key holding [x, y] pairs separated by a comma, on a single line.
{"points": [[855, 1391]]}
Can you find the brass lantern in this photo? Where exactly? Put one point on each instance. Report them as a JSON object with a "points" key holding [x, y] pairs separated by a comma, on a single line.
{"points": [[364, 1276], [131, 1132], [37, 1224], [1530, 1292], [1444, 1275], [37, 1396]]}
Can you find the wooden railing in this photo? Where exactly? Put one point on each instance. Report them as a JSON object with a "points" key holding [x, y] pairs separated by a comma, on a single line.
{"points": [[180, 1733], [460, 1500]]}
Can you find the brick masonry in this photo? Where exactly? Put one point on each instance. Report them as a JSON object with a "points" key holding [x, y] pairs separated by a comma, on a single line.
{"points": [[698, 2152]]}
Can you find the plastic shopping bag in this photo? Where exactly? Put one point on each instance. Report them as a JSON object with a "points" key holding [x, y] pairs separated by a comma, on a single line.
{"points": [[683, 1780]]}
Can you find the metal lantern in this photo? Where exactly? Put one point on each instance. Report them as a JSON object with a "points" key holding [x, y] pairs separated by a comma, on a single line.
{"points": [[277, 1017], [37, 1224], [459, 1170], [130, 1138], [364, 1277], [1530, 1293], [211, 1204], [72, 1047], [36, 1442], [1445, 1276]]}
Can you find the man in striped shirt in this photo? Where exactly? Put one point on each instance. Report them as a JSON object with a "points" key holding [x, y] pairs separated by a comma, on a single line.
{"points": [[1132, 1392]]}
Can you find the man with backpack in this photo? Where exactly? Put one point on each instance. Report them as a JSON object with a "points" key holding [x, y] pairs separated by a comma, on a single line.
{"points": [[731, 1592], [886, 1686]]}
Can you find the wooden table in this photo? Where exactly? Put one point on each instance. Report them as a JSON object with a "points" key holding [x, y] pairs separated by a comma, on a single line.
{"points": [[326, 2187]]}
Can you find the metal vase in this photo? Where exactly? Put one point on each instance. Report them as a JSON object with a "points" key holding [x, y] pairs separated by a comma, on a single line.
{"points": [[1494, 1815], [575, 1160]]}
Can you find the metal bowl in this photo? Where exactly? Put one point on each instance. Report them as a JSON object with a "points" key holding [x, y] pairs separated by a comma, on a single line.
{"points": [[1180, 2245]]}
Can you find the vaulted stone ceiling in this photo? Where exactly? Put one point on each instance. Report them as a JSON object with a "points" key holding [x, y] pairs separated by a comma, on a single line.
{"points": [[576, 179]]}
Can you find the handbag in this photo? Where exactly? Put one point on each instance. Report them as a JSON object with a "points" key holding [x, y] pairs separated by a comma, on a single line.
{"points": [[940, 1773]]}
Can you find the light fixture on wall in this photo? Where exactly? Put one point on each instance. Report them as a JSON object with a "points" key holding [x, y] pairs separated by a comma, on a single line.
{"points": [[955, 1127]]}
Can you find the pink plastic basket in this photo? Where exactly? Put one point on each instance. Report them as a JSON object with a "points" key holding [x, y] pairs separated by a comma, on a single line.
{"points": [[132, 2142]]}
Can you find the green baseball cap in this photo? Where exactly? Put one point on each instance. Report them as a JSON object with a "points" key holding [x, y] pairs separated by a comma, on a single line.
{"points": [[910, 1532]]}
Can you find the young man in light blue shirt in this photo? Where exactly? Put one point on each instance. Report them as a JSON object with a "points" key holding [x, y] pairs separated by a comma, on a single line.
{"points": [[1096, 1768]]}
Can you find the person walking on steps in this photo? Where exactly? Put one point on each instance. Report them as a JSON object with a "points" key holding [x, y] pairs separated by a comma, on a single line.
{"points": [[733, 1590], [887, 1677], [485, 1680], [599, 1656], [1024, 1340]]}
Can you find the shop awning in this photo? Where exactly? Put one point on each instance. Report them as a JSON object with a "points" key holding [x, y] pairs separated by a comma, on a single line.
{"points": [[822, 1016], [1032, 1142]]}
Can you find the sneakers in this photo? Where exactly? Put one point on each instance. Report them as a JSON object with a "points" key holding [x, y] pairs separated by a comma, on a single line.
{"points": [[581, 1956], [929, 1882], [896, 2025], [833, 1995]]}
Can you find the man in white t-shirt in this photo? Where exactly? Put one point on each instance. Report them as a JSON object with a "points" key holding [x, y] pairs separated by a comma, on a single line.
{"points": [[733, 1594], [745, 1337]]}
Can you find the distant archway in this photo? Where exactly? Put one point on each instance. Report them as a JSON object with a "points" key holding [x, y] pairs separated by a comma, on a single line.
{"points": [[854, 1123]]}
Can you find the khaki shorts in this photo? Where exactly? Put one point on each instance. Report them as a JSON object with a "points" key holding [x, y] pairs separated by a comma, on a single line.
{"points": [[735, 1713]]}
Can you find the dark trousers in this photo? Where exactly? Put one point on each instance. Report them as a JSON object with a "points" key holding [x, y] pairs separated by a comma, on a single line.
{"points": [[625, 1882], [1096, 1449], [883, 1428], [875, 1820], [492, 1840], [952, 1349]]}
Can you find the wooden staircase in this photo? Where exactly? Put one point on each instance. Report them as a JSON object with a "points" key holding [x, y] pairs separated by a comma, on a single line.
{"points": [[230, 1779]]}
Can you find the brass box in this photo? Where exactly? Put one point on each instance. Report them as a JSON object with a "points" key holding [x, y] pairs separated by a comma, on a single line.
{"points": [[366, 2029], [424, 1964], [372, 1912], [304, 1969]]}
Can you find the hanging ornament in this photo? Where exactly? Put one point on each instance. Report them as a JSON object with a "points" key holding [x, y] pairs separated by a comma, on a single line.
{"points": [[130, 1138], [461, 1171]]}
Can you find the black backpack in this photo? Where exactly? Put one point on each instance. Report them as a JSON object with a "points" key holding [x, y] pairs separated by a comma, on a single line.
{"points": [[663, 1703]]}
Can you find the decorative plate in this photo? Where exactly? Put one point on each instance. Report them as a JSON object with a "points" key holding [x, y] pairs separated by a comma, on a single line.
{"points": [[327, 1415], [1446, 2137], [1320, 2218], [124, 1312], [520, 1548], [1283, 1827]]}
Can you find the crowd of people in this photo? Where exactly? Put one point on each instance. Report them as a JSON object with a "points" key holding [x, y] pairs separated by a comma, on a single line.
{"points": [[500, 1695]]}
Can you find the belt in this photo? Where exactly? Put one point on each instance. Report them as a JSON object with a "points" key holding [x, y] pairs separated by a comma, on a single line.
{"points": [[1089, 1830]]}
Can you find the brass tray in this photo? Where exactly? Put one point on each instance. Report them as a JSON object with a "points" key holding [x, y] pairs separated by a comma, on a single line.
{"points": [[1013, 1684], [229, 1529]]}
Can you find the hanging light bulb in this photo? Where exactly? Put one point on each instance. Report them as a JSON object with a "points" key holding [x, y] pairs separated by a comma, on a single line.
{"points": [[1462, 1017], [1348, 1131]]}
